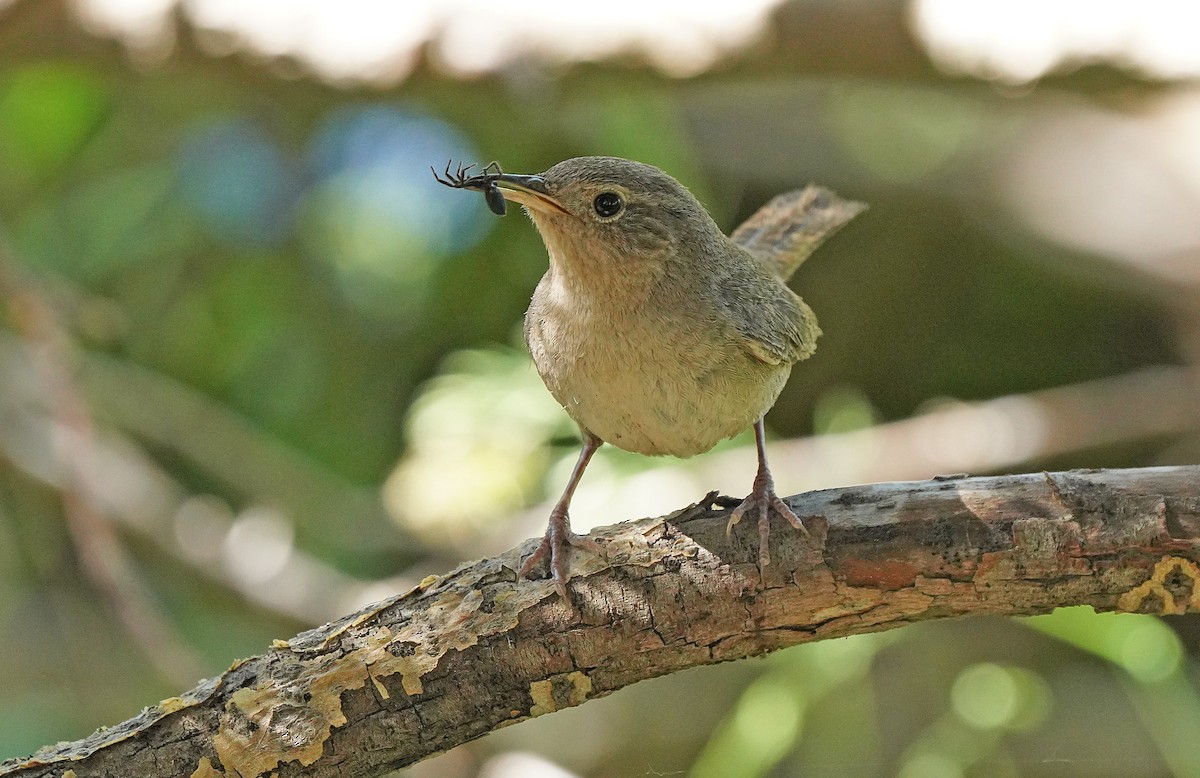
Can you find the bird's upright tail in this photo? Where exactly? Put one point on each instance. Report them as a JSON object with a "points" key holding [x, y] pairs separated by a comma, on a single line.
{"points": [[784, 232]]}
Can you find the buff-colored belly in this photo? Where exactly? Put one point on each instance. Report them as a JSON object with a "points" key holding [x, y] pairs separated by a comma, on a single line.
{"points": [[661, 395]]}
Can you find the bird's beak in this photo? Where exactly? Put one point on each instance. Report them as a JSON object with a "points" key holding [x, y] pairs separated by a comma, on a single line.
{"points": [[529, 191]]}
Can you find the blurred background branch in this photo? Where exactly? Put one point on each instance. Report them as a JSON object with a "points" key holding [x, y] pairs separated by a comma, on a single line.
{"points": [[68, 427], [257, 369]]}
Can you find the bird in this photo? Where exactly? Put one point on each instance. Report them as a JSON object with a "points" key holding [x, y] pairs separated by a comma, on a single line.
{"points": [[656, 332]]}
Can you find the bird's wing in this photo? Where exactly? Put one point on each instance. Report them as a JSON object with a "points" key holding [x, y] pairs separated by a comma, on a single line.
{"points": [[770, 321], [785, 231]]}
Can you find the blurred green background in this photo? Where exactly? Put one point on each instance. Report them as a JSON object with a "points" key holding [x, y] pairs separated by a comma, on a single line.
{"points": [[257, 368]]}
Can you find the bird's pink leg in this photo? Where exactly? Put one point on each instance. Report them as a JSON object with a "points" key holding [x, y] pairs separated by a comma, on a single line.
{"points": [[762, 499], [558, 539]]}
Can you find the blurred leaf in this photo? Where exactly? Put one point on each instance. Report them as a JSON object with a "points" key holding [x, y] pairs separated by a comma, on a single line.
{"points": [[106, 225], [1141, 645], [1166, 697], [769, 719], [47, 111]]}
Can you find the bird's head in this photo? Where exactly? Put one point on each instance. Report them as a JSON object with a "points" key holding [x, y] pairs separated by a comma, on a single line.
{"points": [[593, 210]]}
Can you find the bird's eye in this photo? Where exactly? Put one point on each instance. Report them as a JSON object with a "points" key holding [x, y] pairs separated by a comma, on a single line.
{"points": [[607, 204]]}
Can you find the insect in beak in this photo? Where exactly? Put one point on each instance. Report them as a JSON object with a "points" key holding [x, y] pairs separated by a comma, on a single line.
{"points": [[499, 187]]}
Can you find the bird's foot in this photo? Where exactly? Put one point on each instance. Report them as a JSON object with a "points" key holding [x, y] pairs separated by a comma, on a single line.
{"points": [[556, 547], [760, 502]]}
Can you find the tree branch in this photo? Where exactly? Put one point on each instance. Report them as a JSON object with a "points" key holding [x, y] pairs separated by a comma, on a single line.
{"points": [[463, 654]]}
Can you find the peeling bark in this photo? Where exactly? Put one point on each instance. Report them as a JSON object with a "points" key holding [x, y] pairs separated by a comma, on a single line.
{"points": [[463, 654]]}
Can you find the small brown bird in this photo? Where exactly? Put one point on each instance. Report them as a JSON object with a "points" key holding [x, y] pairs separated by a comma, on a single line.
{"points": [[654, 331]]}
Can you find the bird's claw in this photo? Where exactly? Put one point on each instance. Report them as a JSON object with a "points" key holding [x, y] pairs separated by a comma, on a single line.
{"points": [[761, 501], [556, 547]]}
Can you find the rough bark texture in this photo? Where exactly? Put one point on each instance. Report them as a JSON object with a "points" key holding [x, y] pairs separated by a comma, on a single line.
{"points": [[475, 650]]}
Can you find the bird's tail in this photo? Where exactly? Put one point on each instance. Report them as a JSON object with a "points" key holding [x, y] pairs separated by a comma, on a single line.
{"points": [[784, 232]]}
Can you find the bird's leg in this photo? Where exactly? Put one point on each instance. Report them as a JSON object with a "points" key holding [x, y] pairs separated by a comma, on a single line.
{"points": [[559, 537], [762, 500]]}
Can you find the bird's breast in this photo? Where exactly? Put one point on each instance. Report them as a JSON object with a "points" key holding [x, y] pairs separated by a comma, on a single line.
{"points": [[645, 379]]}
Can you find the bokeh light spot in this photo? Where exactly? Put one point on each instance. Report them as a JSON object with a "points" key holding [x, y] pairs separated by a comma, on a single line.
{"points": [[376, 216], [238, 180], [988, 696], [1150, 651], [768, 720], [985, 696], [843, 409], [930, 765], [903, 135], [258, 545]]}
